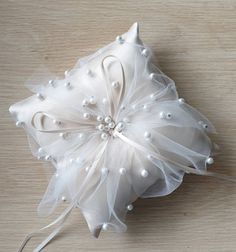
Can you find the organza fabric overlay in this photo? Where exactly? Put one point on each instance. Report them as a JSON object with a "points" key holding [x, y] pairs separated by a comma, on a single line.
{"points": [[97, 169]]}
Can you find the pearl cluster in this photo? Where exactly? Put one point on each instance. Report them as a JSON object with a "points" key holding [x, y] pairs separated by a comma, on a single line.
{"points": [[107, 125], [91, 101]]}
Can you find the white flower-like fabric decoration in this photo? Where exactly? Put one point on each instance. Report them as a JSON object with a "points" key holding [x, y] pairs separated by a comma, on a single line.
{"points": [[114, 129]]}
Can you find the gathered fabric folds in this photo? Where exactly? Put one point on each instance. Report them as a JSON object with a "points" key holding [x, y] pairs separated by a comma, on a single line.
{"points": [[114, 129]]}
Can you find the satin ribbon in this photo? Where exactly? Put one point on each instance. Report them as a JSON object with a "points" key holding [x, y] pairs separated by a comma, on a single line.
{"points": [[74, 129], [114, 99], [59, 222]]}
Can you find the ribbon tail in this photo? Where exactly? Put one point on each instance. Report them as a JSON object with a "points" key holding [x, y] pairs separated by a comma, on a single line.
{"points": [[60, 220], [48, 239]]}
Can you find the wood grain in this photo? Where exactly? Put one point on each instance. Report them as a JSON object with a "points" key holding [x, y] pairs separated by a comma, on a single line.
{"points": [[195, 44]]}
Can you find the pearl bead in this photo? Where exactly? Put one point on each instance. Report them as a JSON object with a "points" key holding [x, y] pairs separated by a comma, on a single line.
{"points": [[144, 173], [87, 168], [126, 119], [115, 84], [106, 128], [119, 39], [104, 171], [122, 107], [92, 100], [101, 127], [130, 207], [85, 102], [205, 126], [181, 100], [56, 175], [104, 101], [146, 107], [19, 124], [66, 72], [99, 118], [147, 135], [81, 135], [122, 171], [144, 52], [71, 160], [86, 115], [201, 123], [210, 160], [152, 76], [168, 115], [104, 136], [63, 198], [56, 122], [107, 119], [149, 156], [48, 158], [40, 150], [89, 72], [67, 85], [134, 106], [51, 82], [40, 96], [162, 115], [62, 134], [105, 226], [111, 125], [153, 96], [120, 126]]}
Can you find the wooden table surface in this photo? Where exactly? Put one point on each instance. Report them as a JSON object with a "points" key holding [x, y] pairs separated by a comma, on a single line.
{"points": [[195, 44]]}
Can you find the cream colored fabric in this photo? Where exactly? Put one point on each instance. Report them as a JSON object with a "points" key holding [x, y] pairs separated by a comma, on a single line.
{"points": [[90, 126]]}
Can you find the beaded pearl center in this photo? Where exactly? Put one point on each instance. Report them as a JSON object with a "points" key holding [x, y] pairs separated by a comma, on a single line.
{"points": [[107, 125]]}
